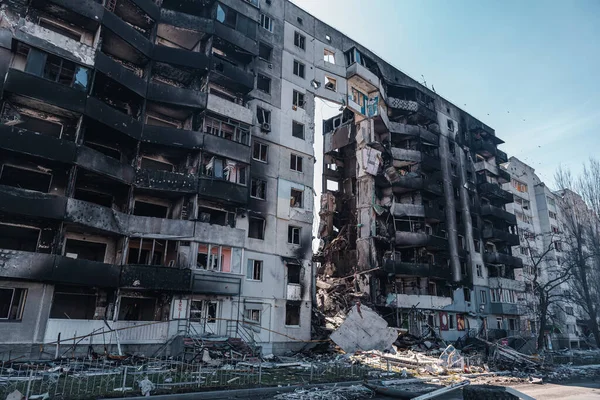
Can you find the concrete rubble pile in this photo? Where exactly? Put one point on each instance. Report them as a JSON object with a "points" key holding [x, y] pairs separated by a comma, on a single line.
{"points": [[334, 393]]}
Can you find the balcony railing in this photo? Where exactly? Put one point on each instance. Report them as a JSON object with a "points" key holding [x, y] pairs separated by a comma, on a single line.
{"points": [[494, 190], [488, 210], [501, 258], [497, 235]]}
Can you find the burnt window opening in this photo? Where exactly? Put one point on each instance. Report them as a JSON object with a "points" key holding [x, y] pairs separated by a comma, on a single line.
{"points": [[296, 198], [163, 121], [81, 249], [227, 129], [60, 29], [298, 99], [293, 272], [467, 294], [12, 303], [296, 163], [263, 116], [265, 51], [91, 196], [234, 20], [19, 238], [292, 313], [258, 189], [263, 83], [298, 130], [106, 150], [145, 209], [137, 309], [156, 165], [330, 84], [216, 217], [254, 270], [152, 252], [56, 69], [259, 151], [452, 148], [73, 303], [294, 235], [299, 69], [450, 126], [256, 228], [40, 125], [204, 311], [25, 178]]}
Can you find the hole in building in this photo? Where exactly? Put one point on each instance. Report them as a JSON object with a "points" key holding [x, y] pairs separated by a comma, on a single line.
{"points": [[294, 273], [292, 313], [137, 309], [146, 209], [256, 228], [21, 238], [71, 302], [296, 197]]}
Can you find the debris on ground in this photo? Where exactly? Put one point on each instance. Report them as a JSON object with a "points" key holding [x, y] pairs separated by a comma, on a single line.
{"points": [[333, 393]]}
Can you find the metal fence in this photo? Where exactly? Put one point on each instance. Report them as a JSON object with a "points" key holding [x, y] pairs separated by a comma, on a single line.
{"points": [[72, 379]]}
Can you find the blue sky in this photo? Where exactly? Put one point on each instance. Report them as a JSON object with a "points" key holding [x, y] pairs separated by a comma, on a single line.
{"points": [[530, 69]]}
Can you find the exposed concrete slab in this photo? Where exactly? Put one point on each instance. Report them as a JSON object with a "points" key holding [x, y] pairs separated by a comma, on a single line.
{"points": [[364, 329]]}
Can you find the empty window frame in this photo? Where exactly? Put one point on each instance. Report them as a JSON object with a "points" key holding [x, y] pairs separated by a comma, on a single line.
{"points": [[299, 40], [137, 309], [263, 116], [293, 273], [295, 163], [234, 20], [256, 228], [146, 209], [12, 302], [299, 69], [330, 83], [258, 189], [292, 313], [266, 22], [60, 29], [329, 56], [254, 270], [25, 178], [298, 99], [152, 251], [39, 125], [86, 250], [227, 129], [204, 311], [296, 198], [265, 51], [263, 83], [72, 302], [56, 69], [156, 165], [20, 238], [215, 257], [298, 130], [260, 151], [552, 214], [294, 234]]}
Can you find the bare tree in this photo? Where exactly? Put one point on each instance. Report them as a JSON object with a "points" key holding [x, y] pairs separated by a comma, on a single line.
{"points": [[546, 276], [581, 238]]}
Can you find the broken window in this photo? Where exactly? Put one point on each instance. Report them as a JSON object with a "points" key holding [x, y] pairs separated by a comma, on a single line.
{"points": [[212, 257], [552, 215], [236, 21], [265, 51], [163, 121], [296, 198], [266, 22], [451, 324], [39, 125], [57, 69], [60, 29], [330, 83], [452, 147], [82, 249], [156, 165], [296, 163], [450, 124], [137, 309], [256, 228], [72, 302], [329, 56], [216, 217], [227, 129], [298, 99], [259, 151], [12, 302], [299, 40], [91, 196], [21, 238], [297, 130], [152, 251], [254, 270], [263, 83], [258, 189], [554, 229], [293, 273], [252, 315], [106, 150], [467, 294], [294, 235], [292, 313], [479, 271], [263, 116], [299, 69], [358, 97], [204, 311], [146, 209], [25, 178]]}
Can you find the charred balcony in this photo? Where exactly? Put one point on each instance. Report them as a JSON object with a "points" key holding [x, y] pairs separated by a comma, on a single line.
{"points": [[174, 95], [485, 165], [171, 136], [503, 174], [497, 213], [501, 258], [117, 71], [127, 33], [485, 148], [181, 57], [501, 157], [420, 239], [166, 181], [242, 35], [499, 235], [85, 13], [406, 268], [223, 190], [199, 8], [231, 76], [141, 13], [37, 87], [15, 264], [156, 277], [85, 272], [411, 102], [417, 210], [40, 145], [412, 181], [215, 283], [404, 131], [496, 192], [31, 203]]}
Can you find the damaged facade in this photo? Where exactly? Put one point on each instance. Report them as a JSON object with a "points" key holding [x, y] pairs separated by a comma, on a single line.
{"points": [[153, 174], [413, 216]]}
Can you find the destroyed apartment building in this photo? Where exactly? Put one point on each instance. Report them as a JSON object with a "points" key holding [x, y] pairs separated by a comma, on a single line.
{"points": [[413, 217], [151, 185]]}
